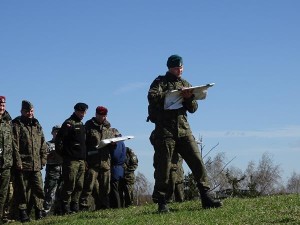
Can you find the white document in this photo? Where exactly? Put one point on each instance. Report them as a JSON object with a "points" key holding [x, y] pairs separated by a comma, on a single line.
{"points": [[173, 99], [113, 140]]}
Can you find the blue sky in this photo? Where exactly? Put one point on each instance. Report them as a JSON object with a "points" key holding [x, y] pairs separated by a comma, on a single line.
{"points": [[57, 53]]}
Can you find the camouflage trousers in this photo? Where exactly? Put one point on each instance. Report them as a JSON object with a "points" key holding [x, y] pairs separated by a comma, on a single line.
{"points": [[29, 187], [96, 184], [52, 185], [126, 190], [73, 177], [163, 155], [4, 183]]}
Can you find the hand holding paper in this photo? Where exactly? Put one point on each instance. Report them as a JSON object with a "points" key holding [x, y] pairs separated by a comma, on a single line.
{"points": [[173, 99]]}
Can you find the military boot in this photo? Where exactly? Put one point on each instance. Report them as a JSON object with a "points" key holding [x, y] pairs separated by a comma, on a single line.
{"points": [[208, 201], [162, 206], [65, 208], [23, 216], [38, 214], [74, 207]]}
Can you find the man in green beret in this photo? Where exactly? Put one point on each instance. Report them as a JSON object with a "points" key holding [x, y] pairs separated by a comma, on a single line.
{"points": [[172, 130], [70, 144], [30, 157]]}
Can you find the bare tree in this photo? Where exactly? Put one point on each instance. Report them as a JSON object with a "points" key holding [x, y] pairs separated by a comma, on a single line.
{"points": [[293, 183], [266, 177], [142, 189]]}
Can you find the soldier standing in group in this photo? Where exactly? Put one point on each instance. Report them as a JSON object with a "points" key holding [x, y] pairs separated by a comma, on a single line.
{"points": [[70, 144], [6, 153], [127, 184], [30, 157], [98, 161], [118, 157], [53, 177], [173, 131]]}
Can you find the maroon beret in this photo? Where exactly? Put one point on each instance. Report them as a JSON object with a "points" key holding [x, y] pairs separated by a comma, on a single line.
{"points": [[2, 99], [101, 110]]}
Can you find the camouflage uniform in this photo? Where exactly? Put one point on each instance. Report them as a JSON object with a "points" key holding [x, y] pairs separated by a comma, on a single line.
{"points": [[30, 157], [53, 178], [6, 157], [98, 162], [176, 185], [70, 144], [127, 186], [172, 131]]}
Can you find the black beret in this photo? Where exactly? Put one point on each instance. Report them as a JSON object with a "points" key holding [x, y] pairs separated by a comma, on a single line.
{"points": [[81, 106], [174, 61], [26, 105]]}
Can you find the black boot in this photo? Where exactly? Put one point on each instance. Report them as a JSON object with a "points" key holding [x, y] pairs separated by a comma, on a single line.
{"points": [[23, 216], [38, 214], [162, 206], [208, 201], [74, 207], [65, 208]]}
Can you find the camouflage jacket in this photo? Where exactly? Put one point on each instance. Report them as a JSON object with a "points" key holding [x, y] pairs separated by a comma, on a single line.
{"points": [[171, 123], [29, 143], [70, 139], [130, 165], [96, 132], [52, 157], [6, 141]]}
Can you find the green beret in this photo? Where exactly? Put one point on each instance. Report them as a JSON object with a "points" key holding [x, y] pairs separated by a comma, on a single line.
{"points": [[26, 105], [81, 106], [174, 61]]}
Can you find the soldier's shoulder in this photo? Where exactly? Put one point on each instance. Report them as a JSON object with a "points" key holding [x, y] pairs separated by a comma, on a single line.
{"points": [[17, 120]]}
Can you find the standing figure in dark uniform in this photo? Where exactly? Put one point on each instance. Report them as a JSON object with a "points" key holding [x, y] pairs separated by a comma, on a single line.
{"points": [[70, 144]]}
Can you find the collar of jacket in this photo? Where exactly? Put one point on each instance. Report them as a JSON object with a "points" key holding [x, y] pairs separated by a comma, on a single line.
{"points": [[5, 116], [75, 118], [29, 121], [172, 77]]}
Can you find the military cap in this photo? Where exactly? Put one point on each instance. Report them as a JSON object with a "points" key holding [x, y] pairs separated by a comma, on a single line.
{"points": [[101, 110], [174, 61], [56, 127], [26, 105], [81, 106], [2, 99]]}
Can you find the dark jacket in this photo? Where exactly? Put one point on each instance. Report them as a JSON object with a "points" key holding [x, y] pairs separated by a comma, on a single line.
{"points": [[6, 141], [118, 158], [29, 144], [70, 139], [171, 123]]}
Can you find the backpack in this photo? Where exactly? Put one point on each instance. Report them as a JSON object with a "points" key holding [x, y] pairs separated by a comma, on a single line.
{"points": [[155, 109]]}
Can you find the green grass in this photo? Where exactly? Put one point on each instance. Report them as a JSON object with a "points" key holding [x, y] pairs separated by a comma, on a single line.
{"points": [[281, 209]]}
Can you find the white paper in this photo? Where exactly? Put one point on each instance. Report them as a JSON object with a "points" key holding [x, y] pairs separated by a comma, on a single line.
{"points": [[173, 99], [105, 142]]}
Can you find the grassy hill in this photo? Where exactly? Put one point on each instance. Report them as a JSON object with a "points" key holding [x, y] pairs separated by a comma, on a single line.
{"points": [[281, 209]]}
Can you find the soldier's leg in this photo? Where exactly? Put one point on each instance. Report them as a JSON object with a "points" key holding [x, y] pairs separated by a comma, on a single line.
{"points": [[69, 173], [188, 149], [37, 193], [4, 183], [74, 206], [51, 182], [88, 185], [21, 192], [104, 179], [164, 149]]}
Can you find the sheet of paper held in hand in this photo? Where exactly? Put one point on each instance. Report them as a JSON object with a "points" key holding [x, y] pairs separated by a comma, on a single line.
{"points": [[173, 99], [105, 142], [113, 140]]}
